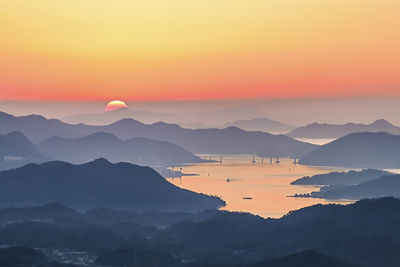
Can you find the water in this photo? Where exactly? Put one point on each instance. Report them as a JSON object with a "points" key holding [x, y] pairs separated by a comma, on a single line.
{"points": [[267, 185], [316, 141]]}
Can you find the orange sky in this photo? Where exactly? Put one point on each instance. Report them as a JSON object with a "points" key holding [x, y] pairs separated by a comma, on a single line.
{"points": [[179, 49]]}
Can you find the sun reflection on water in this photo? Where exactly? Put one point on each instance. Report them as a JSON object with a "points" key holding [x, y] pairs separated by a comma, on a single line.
{"points": [[259, 188]]}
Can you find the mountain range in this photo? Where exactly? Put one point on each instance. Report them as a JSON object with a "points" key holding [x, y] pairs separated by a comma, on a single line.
{"points": [[230, 140], [98, 184], [112, 116], [36, 127], [333, 131], [385, 186], [358, 150], [16, 150], [263, 125], [142, 151], [358, 234], [353, 233]]}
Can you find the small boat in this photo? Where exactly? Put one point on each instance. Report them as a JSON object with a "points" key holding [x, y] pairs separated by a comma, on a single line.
{"points": [[248, 198]]}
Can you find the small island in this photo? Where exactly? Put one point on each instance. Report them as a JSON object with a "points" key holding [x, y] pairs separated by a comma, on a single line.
{"points": [[351, 177], [352, 185]]}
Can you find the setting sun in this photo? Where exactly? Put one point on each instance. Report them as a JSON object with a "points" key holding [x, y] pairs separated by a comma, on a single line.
{"points": [[114, 105]]}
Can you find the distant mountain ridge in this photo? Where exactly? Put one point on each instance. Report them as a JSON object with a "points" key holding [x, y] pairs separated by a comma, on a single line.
{"points": [[230, 140], [16, 150], [331, 131], [98, 184], [262, 124], [142, 151], [37, 128], [108, 117], [358, 150]]}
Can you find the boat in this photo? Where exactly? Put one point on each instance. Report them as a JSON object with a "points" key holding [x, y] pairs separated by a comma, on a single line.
{"points": [[248, 198]]}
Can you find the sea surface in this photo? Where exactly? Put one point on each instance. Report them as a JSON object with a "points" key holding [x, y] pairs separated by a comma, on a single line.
{"points": [[267, 186], [316, 141]]}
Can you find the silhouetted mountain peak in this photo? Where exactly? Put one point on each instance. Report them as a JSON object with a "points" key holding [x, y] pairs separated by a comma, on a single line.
{"points": [[17, 150], [376, 135], [16, 135], [358, 150], [126, 121], [63, 166], [233, 129], [314, 124], [381, 123], [4, 115], [51, 164], [99, 162], [99, 183], [261, 124], [16, 141], [324, 130], [34, 117], [102, 136]]}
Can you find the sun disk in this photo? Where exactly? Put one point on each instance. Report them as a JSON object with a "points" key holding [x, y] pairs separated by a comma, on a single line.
{"points": [[114, 105]]}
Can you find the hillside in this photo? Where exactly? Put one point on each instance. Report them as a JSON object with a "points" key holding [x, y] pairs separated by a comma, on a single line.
{"points": [[112, 116], [262, 124], [97, 184], [142, 151], [16, 150], [37, 128], [359, 234], [230, 140], [358, 150], [333, 131], [381, 187], [346, 177]]}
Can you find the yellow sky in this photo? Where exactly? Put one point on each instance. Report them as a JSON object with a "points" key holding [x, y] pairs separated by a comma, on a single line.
{"points": [[91, 49]]}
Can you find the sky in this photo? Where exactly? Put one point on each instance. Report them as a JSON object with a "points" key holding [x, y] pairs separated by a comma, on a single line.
{"points": [[198, 50]]}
